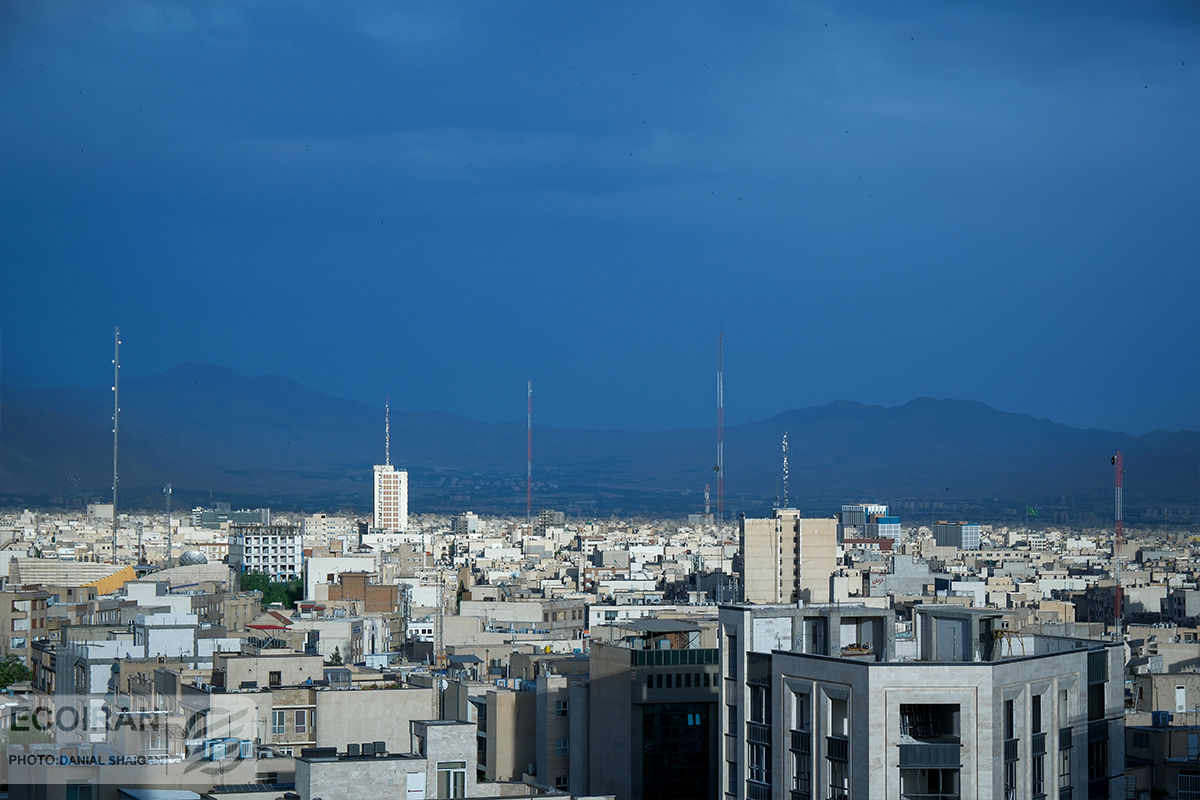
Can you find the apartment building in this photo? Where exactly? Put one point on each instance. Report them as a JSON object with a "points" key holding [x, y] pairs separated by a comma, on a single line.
{"points": [[787, 557], [968, 711], [274, 550]]}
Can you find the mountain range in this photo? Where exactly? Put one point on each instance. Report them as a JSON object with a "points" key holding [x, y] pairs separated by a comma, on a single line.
{"points": [[215, 433]]}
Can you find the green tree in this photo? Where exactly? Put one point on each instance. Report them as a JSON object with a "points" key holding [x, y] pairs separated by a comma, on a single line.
{"points": [[13, 670], [286, 593], [336, 658]]}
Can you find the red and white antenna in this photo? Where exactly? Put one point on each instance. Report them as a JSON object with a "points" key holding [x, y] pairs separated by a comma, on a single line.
{"points": [[1118, 538], [529, 456], [387, 431], [720, 466]]}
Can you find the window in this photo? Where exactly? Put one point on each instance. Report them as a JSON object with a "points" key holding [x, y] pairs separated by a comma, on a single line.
{"points": [[1035, 714], [1039, 776], [1064, 768], [760, 705], [301, 720], [562, 747], [1188, 786], [1098, 760], [274, 678], [278, 722], [1008, 719], [560, 708], [760, 764], [560, 782], [802, 766], [451, 779], [800, 708], [706, 679], [839, 780]]}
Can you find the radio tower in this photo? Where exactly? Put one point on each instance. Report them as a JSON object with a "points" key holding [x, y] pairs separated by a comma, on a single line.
{"points": [[167, 494], [785, 473], [529, 458], [116, 429], [1118, 537], [720, 467], [707, 503], [387, 432]]}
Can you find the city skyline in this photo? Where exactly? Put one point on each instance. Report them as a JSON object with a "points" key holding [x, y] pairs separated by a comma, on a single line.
{"points": [[441, 204]]}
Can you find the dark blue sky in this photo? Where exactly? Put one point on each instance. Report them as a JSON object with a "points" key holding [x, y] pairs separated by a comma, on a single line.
{"points": [[992, 201]]}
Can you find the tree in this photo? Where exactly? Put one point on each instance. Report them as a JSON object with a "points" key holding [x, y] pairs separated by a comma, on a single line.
{"points": [[13, 670], [286, 593], [336, 658]]}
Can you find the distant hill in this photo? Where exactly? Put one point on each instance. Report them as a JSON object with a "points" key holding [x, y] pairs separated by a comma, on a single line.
{"points": [[271, 440]]}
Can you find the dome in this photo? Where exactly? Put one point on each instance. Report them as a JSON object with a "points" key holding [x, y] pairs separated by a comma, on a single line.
{"points": [[192, 557]]}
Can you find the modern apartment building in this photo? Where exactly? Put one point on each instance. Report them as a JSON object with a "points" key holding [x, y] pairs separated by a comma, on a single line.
{"points": [[868, 521], [391, 498], [276, 550], [966, 710], [963, 535], [788, 558], [652, 715]]}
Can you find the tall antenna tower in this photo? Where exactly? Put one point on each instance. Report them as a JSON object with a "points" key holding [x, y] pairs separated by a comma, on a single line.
{"points": [[387, 432], [785, 472], [167, 494], [720, 467], [707, 502], [116, 429], [529, 456], [1118, 538]]}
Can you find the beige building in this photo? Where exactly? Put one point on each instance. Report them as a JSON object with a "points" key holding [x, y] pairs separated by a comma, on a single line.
{"points": [[788, 558]]}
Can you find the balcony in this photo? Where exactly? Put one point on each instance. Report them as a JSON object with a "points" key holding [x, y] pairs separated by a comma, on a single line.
{"points": [[837, 748], [757, 733], [1011, 749], [929, 756]]}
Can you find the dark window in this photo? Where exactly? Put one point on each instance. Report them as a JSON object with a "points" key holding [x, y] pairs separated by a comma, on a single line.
{"points": [[1036, 714]]}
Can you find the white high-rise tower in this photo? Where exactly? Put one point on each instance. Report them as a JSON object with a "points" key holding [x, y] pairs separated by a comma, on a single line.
{"points": [[391, 486]]}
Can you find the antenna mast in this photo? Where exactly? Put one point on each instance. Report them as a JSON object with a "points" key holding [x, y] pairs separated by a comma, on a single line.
{"points": [[707, 503], [785, 472], [529, 456], [1118, 538], [387, 432], [720, 467], [116, 429], [167, 494]]}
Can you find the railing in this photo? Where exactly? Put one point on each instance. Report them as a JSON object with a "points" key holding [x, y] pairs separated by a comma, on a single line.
{"points": [[1064, 738], [758, 791], [757, 733], [1098, 730], [1038, 744], [1011, 749], [929, 756], [676, 658], [801, 741], [929, 796], [837, 748]]}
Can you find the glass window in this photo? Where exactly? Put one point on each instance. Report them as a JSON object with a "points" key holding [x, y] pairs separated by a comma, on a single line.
{"points": [[301, 720], [451, 779], [278, 722]]}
